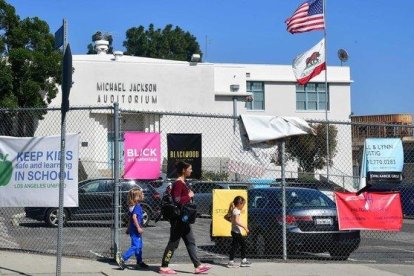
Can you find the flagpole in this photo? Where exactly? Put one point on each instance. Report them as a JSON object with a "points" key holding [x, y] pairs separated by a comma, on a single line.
{"points": [[326, 93]]}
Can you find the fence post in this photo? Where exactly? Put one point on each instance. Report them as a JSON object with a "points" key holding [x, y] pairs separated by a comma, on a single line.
{"points": [[116, 179], [59, 249], [282, 146]]}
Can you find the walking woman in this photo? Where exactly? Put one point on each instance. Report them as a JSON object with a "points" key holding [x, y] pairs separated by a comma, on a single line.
{"points": [[181, 195]]}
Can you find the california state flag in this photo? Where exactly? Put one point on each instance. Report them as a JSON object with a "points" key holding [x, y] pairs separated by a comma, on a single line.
{"points": [[310, 64]]}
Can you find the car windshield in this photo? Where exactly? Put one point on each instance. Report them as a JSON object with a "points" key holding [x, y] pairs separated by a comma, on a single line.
{"points": [[204, 187], [156, 183], [146, 186], [96, 186], [238, 187], [307, 198]]}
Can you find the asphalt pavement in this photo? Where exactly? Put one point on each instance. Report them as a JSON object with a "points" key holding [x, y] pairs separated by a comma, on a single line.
{"points": [[15, 263]]}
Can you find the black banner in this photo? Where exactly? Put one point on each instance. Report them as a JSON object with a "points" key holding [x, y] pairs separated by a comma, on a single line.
{"points": [[184, 147]]}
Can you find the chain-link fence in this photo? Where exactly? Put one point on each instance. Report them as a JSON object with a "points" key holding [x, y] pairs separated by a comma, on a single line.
{"points": [[89, 228], [311, 222]]}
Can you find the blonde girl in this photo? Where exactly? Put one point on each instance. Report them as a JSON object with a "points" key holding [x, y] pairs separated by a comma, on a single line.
{"points": [[135, 196], [236, 232]]}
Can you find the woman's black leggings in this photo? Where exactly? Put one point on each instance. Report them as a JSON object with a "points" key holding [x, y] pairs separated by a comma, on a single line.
{"points": [[180, 230], [238, 239]]}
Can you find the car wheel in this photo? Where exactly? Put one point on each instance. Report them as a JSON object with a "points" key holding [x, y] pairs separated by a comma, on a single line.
{"points": [[339, 254], [52, 217], [146, 215]]}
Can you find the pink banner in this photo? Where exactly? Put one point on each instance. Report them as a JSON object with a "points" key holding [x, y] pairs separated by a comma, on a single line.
{"points": [[142, 155], [369, 211]]}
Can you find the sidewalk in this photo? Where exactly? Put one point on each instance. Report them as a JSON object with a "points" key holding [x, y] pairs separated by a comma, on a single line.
{"points": [[12, 263]]}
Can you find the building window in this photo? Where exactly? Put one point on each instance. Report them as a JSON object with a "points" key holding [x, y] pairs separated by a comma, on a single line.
{"points": [[257, 89], [311, 96]]}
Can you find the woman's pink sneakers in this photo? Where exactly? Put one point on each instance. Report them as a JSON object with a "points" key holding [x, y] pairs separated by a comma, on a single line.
{"points": [[167, 271], [202, 269]]}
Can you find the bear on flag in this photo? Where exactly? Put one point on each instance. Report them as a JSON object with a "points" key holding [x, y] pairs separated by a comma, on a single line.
{"points": [[310, 64]]}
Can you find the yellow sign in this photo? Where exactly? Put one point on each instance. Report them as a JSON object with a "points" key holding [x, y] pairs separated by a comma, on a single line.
{"points": [[221, 203]]}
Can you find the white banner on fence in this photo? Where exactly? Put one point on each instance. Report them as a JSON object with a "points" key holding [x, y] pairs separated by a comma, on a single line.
{"points": [[30, 171]]}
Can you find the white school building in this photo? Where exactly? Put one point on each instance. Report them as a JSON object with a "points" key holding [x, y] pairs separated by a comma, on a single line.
{"points": [[146, 84]]}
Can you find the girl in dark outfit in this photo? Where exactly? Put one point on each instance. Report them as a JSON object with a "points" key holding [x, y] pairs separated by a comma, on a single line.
{"points": [[181, 195], [236, 232]]}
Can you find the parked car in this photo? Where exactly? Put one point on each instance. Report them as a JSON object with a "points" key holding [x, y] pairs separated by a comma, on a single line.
{"points": [[328, 188], [203, 190], [96, 201], [161, 185], [311, 222], [406, 191]]}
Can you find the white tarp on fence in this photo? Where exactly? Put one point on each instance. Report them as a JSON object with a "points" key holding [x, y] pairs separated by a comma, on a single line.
{"points": [[256, 155], [267, 128]]}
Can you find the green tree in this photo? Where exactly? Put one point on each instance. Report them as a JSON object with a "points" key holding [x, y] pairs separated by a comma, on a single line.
{"points": [[98, 36], [214, 176], [310, 150], [168, 43], [30, 68]]}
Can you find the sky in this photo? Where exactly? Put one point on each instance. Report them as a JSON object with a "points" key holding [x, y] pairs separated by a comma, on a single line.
{"points": [[377, 34]]}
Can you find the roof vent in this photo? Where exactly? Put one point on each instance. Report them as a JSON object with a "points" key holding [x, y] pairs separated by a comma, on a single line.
{"points": [[101, 46], [118, 54]]}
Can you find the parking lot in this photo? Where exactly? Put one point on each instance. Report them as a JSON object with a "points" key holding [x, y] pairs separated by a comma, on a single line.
{"points": [[92, 239]]}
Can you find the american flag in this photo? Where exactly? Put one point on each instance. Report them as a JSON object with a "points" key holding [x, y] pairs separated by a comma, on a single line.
{"points": [[308, 17]]}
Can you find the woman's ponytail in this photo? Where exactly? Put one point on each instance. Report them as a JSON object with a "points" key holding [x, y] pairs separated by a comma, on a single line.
{"points": [[231, 208]]}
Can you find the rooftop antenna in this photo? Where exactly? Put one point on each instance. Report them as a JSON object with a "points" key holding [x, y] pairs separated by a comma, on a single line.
{"points": [[208, 41], [343, 55], [205, 53]]}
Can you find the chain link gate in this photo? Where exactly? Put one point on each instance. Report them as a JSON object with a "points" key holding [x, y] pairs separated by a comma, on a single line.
{"points": [[311, 223]]}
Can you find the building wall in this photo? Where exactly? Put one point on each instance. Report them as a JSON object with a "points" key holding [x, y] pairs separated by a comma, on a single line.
{"points": [[175, 86], [93, 129]]}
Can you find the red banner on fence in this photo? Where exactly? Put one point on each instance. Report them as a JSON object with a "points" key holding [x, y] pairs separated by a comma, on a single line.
{"points": [[369, 211]]}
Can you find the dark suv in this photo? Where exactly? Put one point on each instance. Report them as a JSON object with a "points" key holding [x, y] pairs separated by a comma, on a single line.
{"points": [[96, 200]]}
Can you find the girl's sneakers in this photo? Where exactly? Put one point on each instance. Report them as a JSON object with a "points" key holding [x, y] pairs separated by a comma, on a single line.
{"points": [[231, 264], [245, 263], [120, 261]]}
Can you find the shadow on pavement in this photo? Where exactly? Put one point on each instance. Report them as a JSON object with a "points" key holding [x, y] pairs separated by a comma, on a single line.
{"points": [[14, 271], [269, 256], [75, 224], [110, 261]]}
